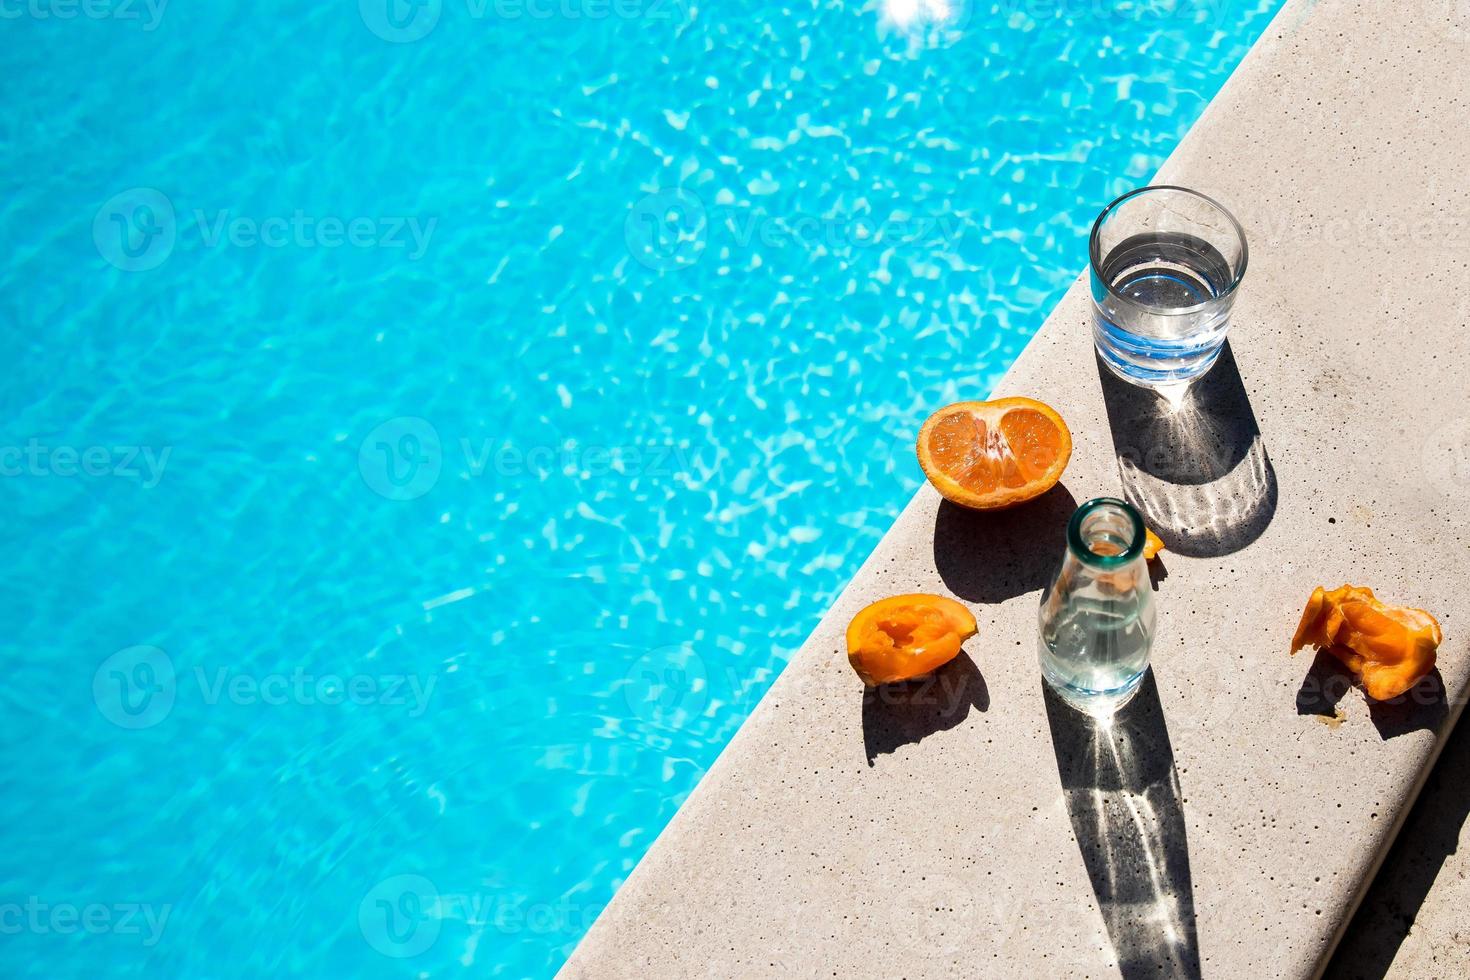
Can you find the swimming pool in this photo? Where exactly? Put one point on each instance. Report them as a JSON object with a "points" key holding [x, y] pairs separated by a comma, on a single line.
{"points": [[430, 428]]}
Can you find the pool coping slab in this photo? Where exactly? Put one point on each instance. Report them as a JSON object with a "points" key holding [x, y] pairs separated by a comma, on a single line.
{"points": [[1232, 818]]}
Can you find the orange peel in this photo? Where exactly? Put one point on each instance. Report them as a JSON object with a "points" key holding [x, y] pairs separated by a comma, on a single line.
{"points": [[1389, 648], [907, 636]]}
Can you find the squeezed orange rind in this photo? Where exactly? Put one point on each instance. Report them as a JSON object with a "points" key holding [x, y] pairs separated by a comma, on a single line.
{"points": [[907, 636], [1389, 648]]}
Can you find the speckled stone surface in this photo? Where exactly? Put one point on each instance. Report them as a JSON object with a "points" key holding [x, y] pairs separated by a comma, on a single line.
{"points": [[1231, 819], [1412, 923]]}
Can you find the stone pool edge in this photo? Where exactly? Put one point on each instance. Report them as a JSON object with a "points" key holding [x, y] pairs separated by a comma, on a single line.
{"points": [[1260, 123]]}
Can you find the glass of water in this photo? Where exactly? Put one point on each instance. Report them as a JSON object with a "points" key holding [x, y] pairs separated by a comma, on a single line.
{"points": [[1166, 263], [1097, 617]]}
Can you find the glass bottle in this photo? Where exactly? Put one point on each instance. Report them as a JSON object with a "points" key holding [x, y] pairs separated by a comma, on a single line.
{"points": [[1097, 616]]}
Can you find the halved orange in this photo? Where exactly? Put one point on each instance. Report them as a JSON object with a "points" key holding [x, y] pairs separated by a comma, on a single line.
{"points": [[907, 636], [988, 455]]}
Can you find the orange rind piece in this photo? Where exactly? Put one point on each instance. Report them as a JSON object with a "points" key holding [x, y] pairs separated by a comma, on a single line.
{"points": [[907, 636], [1390, 648], [1152, 545], [989, 455]]}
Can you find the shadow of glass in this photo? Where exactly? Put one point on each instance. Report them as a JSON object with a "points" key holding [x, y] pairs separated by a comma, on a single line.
{"points": [[1198, 474], [992, 556], [1122, 793], [895, 715]]}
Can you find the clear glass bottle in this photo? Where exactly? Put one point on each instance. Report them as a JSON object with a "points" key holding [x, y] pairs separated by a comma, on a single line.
{"points": [[1097, 616]]}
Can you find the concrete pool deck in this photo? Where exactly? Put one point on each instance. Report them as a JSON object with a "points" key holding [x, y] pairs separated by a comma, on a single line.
{"points": [[1232, 818]]}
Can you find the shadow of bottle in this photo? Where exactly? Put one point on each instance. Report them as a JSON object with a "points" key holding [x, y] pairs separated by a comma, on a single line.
{"points": [[1122, 794], [1199, 473]]}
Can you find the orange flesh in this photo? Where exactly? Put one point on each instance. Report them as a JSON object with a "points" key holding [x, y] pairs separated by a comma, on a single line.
{"points": [[993, 454], [907, 636], [1033, 439], [1390, 648], [983, 459]]}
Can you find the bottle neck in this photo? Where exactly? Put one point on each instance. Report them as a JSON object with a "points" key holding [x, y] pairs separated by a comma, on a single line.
{"points": [[1105, 534]]}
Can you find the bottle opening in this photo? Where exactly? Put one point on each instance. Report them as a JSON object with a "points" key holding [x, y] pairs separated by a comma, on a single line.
{"points": [[1106, 532]]}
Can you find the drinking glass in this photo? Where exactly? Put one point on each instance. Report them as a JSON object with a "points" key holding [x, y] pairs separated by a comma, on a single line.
{"points": [[1165, 264], [1097, 617]]}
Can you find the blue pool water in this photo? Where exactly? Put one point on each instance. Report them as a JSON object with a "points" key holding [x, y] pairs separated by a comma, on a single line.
{"points": [[427, 430]]}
